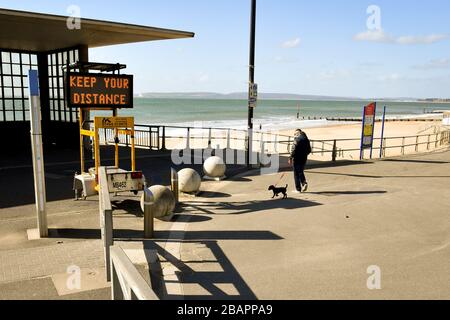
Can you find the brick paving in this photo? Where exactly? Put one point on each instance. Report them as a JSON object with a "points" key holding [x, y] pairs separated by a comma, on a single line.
{"points": [[31, 263]]}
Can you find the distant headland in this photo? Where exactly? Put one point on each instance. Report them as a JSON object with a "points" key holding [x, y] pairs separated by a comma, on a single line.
{"points": [[275, 96]]}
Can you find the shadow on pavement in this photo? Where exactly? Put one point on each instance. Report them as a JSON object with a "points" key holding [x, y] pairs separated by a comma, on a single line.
{"points": [[378, 177], [129, 206], [17, 181], [191, 218], [235, 208], [210, 195], [129, 234], [337, 193], [210, 277], [210, 285], [416, 161]]}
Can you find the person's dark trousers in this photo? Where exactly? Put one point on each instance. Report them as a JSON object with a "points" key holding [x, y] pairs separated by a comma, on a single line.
{"points": [[299, 174]]}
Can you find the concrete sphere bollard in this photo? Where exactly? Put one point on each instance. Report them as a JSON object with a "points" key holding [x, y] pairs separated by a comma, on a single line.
{"points": [[164, 202], [189, 181], [214, 167]]}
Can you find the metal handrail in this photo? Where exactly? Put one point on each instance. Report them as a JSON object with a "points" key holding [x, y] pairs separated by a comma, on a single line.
{"points": [[106, 218], [155, 137], [442, 138], [127, 282]]}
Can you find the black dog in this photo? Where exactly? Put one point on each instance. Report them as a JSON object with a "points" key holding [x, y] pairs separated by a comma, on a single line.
{"points": [[277, 191]]}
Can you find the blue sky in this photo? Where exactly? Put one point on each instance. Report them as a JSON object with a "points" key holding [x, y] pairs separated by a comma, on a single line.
{"points": [[305, 47]]}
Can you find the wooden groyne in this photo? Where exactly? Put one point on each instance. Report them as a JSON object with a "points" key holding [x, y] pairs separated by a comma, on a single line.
{"points": [[334, 119]]}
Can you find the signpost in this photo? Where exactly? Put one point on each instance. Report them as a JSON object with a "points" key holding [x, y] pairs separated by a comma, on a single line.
{"points": [[38, 155], [251, 106], [368, 129], [90, 90]]}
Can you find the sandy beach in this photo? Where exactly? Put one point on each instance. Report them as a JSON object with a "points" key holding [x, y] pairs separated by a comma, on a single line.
{"points": [[394, 133], [348, 136]]}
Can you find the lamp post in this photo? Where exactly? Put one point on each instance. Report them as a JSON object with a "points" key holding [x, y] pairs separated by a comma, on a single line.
{"points": [[251, 82]]}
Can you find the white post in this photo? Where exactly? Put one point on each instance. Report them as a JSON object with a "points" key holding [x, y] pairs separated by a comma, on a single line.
{"points": [[38, 155], [188, 139], [275, 146]]}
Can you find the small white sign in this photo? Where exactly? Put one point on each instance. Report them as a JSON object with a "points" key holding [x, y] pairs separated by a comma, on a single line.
{"points": [[253, 95]]}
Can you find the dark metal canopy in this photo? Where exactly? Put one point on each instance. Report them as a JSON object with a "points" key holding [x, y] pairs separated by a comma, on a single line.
{"points": [[29, 31]]}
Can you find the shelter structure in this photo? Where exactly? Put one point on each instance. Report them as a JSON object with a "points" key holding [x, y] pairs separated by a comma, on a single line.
{"points": [[44, 42]]}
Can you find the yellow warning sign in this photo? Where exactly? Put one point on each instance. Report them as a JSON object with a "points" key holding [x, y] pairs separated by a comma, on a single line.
{"points": [[114, 122]]}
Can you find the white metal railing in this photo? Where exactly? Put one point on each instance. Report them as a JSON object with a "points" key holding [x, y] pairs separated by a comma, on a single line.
{"points": [[106, 217], [127, 282], [173, 137]]}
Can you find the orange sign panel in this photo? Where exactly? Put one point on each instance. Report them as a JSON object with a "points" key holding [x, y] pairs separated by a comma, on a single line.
{"points": [[87, 90]]}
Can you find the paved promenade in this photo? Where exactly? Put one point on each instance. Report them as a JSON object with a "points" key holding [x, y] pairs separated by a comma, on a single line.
{"points": [[234, 241], [393, 214]]}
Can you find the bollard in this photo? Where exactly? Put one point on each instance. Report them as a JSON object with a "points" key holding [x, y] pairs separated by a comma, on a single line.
{"points": [[148, 214], [229, 139], [175, 187]]}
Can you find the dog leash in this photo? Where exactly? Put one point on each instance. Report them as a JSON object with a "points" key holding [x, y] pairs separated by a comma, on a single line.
{"points": [[281, 178]]}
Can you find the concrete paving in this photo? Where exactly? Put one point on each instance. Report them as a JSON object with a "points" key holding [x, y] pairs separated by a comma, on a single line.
{"points": [[393, 214], [235, 242]]}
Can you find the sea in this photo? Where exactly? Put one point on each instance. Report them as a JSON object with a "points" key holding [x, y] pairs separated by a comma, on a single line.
{"points": [[268, 115]]}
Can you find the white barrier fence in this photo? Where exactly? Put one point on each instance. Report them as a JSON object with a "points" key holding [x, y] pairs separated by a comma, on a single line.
{"points": [[127, 283]]}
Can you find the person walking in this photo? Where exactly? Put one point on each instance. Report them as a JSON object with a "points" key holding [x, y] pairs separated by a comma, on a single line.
{"points": [[301, 149]]}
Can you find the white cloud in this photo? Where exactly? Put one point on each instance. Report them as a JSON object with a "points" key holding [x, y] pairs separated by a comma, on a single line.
{"points": [[382, 37], [422, 39], [434, 64], [373, 36], [294, 43]]}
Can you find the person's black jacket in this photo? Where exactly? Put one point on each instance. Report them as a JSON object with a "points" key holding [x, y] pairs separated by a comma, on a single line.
{"points": [[301, 148]]}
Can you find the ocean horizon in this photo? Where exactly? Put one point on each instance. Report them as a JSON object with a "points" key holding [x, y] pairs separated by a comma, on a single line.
{"points": [[270, 114]]}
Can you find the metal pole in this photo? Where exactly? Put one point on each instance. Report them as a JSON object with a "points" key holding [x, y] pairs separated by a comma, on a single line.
{"points": [[175, 185], [148, 214], [163, 148], [334, 153], [373, 130], [251, 81], [209, 138], [382, 132], [38, 155], [361, 157]]}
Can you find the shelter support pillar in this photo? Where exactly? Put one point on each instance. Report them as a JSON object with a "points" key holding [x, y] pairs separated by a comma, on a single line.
{"points": [[83, 56], [42, 59]]}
